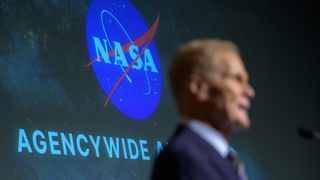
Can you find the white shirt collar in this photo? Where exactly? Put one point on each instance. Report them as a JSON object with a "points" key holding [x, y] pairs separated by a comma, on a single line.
{"points": [[211, 135]]}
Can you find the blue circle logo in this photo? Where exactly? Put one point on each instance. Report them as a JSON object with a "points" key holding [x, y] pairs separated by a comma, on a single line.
{"points": [[124, 57]]}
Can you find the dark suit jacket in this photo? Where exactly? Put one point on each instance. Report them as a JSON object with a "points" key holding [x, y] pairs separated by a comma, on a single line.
{"points": [[188, 156]]}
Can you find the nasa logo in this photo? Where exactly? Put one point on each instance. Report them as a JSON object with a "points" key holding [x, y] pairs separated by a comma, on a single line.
{"points": [[124, 57]]}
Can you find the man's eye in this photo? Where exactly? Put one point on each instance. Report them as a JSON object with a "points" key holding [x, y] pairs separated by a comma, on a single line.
{"points": [[238, 78]]}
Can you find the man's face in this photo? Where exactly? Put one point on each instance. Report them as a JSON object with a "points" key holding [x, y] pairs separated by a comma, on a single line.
{"points": [[229, 92]]}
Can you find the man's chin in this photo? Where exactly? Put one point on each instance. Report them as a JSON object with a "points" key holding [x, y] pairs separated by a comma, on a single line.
{"points": [[241, 124]]}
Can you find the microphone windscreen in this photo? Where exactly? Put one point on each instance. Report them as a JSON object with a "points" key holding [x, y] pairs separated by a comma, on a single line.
{"points": [[305, 133]]}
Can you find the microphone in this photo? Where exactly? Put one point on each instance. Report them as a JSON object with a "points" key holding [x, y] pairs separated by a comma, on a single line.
{"points": [[309, 134]]}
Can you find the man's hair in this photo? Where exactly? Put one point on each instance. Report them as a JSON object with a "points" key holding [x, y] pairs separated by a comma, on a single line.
{"points": [[194, 57]]}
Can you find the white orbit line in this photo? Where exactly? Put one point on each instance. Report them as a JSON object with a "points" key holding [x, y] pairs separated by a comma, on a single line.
{"points": [[123, 70], [101, 16]]}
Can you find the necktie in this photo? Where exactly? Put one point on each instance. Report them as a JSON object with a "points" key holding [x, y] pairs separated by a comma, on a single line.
{"points": [[238, 165]]}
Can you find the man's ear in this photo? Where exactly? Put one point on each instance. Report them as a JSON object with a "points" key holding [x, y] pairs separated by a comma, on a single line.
{"points": [[198, 86]]}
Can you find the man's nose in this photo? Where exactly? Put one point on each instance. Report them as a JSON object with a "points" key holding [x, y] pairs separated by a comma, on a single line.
{"points": [[250, 91]]}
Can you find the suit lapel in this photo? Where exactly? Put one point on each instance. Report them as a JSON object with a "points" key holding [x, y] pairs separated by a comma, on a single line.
{"points": [[214, 158]]}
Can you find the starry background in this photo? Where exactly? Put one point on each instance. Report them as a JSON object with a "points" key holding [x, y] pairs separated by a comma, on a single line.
{"points": [[44, 83]]}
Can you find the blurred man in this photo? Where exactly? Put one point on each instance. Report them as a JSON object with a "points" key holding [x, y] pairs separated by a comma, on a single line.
{"points": [[212, 92]]}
